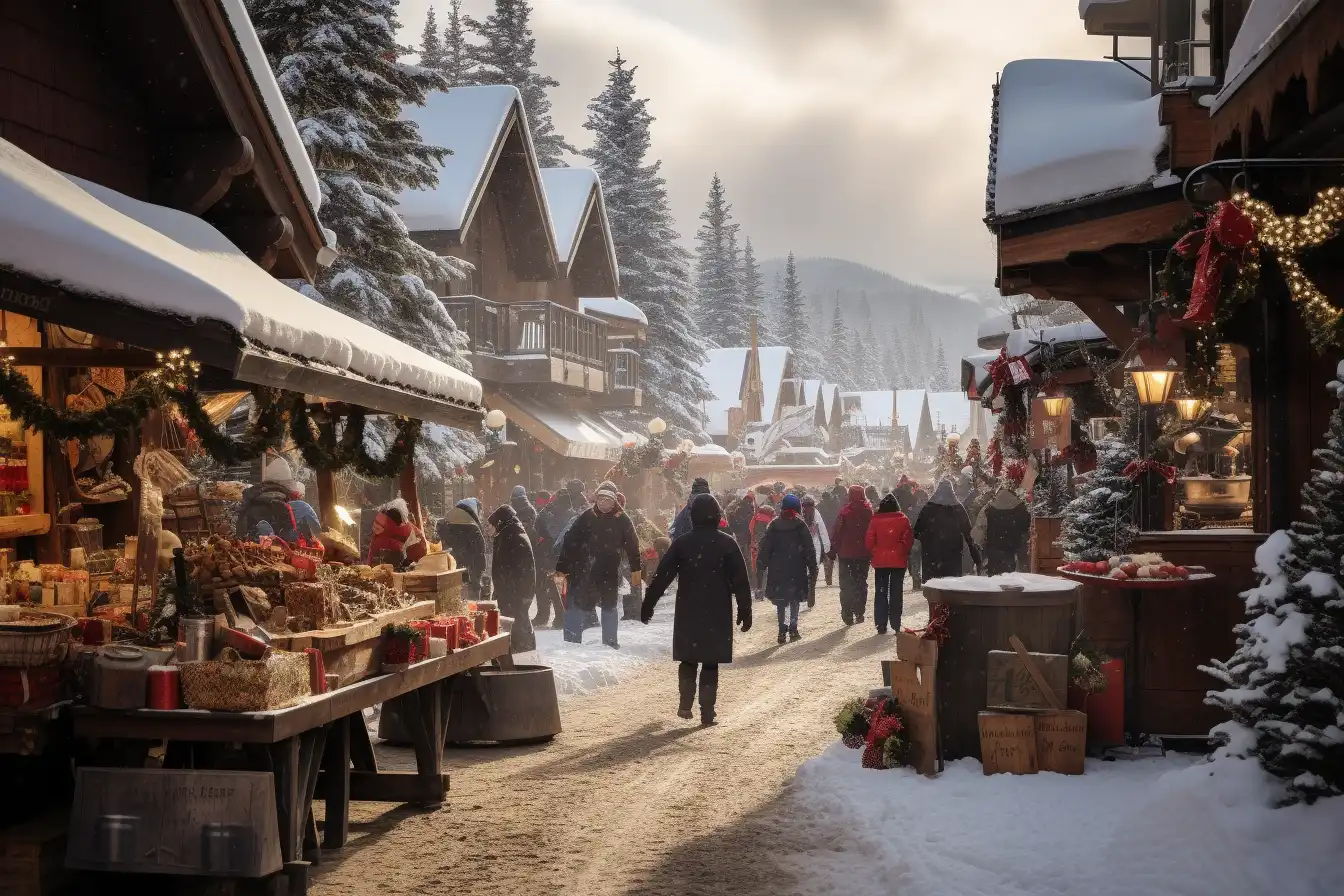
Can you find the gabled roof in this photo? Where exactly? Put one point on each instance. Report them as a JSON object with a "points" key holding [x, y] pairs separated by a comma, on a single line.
{"points": [[579, 219], [617, 307], [1267, 25], [873, 408], [477, 124], [775, 361], [724, 371]]}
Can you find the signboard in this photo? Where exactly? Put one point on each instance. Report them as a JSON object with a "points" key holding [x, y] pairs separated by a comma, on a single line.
{"points": [[912, 686], [1061, 741], [1007, 743]]}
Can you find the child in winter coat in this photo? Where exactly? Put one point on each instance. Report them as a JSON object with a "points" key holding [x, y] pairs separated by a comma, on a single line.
{"points": [[786, 559], [889, 540]]}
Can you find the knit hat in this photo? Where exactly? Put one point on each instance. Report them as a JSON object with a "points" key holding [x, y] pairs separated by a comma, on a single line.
{"points": [[792, 502], [700, 486], [519, 491], [608, 489]]}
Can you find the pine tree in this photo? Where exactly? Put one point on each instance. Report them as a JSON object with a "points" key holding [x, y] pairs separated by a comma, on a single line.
{"points": [[1100, 522], [793, 329], [508, 56], [345, 51], [891, 368], [752, 285], [838, 348], [457, 67], [941, 380], [654, 267], [719, 311], [1285, 683], [431, 45]]}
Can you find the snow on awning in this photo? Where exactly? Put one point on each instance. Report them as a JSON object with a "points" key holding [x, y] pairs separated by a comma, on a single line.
{"points": [[1268, 23], [621, 308], [90, 240], [1020, 342], [569, 430], [1072, 129]]}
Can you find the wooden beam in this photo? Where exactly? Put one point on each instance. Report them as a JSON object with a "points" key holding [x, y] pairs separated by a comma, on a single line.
{"points": [[262, 239], [1144, 225], [128, 358], [205, 169], [1106, 316]]}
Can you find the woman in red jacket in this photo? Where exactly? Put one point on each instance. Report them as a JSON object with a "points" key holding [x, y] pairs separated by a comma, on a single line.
{"points": [[889, 540]]}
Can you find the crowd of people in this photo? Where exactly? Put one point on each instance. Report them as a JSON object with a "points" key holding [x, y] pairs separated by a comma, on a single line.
{"points": [[585, 557]]}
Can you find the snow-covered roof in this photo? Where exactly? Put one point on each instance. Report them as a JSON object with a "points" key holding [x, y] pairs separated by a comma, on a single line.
{"points": [[573, 196], [1268, 23], [569, 429], [1070, 129], [774, 364], [810, 390], [874, 408], [472, 122], [710, 449], [724, 371], [259, 67], [90, 239], [622, 308], [951, 410], [979, 364], [909, 404], [1020, 341]]}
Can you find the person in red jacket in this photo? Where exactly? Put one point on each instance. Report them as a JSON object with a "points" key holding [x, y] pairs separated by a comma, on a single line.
{"points": [[849, 543], [890, 537], [765, 515]]}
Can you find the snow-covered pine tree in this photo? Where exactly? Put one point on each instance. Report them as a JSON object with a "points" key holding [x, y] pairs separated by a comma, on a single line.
{"points": [[1285, 683], [507, 55], [1100, 522], [719, 311], [941, 380], [654, 268], [838, 349], [899, 341], [458, 68], [753, 295], [793, 328], [431, 44], [891, 368], [345, 51]]}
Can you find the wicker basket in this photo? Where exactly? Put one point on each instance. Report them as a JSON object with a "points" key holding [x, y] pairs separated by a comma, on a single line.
{"points": [[36, 640], [231, 684]]}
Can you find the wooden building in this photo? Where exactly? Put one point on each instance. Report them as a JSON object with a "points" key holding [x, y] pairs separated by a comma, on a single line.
{"points": [[1259, 87], [550, 339]]}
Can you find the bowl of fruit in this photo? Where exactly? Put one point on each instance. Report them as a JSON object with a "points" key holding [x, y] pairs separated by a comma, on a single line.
{"points": [[1140, 569]]}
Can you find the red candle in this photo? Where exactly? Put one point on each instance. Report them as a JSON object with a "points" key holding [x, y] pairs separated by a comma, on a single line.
{"points": [[492, 622], [163, 688], [450, 634]]}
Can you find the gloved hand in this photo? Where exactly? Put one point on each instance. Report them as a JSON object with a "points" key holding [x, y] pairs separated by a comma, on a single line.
{"points": [[636, 578], [744, 619], [645, 612]]}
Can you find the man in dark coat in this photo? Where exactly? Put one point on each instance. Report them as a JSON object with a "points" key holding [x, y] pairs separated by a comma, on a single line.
{"points": [[1003, 531], [942, 529], [590, 560], [514, 574], [460, 534], [682, 524], [551, 521], [787, 559], [848, 542], [829, 509], [739, 522], [710, 574], [527, 514]]}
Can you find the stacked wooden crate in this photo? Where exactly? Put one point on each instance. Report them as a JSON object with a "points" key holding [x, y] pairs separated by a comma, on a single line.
{"points": [[444, 588]]}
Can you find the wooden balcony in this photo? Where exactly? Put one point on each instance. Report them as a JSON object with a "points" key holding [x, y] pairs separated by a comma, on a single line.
{"points": [[625, 391], [532, 342]]}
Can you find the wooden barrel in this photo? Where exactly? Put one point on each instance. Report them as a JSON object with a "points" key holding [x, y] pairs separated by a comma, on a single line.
{"points": [[981, 621]]}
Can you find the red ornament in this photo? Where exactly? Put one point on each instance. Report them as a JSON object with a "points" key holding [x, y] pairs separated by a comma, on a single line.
{"points": [[1220, 245]]}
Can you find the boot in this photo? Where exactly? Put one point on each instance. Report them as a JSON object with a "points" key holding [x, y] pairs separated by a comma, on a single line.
{"points": [[686, 686], [783, 635], [794, 636], [708, 695]]}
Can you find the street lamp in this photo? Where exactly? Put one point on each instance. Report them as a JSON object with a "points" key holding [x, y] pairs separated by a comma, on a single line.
{"points": [[1188, 409], [657, 426], [495, 419], [1152, 380], [1055, 401]]}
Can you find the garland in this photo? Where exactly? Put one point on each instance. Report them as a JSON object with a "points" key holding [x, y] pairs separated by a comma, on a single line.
{"points": [[634, 459], [322, 451], [937, 629], [1137, 468]]}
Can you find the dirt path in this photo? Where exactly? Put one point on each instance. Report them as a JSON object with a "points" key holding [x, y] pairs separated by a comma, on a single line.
{"points": [[631, 799]]}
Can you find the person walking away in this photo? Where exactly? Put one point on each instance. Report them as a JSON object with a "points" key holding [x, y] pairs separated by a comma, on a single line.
{"points": [[527, 513], [513, 571], [590, 560], [682, 524], [648, 536], [821, 542], [942, 529], [460, 534], [739, 522], [849, 543], [889, 540], [829, 510], [787, 560], [710, 574], [760, 521], [919, 498], [1002, 531]]}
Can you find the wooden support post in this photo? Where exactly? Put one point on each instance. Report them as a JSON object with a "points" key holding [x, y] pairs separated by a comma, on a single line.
{"points": [[326, 500], [421, 711], [410, 492], [336, 773]]}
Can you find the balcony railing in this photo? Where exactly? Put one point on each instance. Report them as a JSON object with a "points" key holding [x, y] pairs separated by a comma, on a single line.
{"points": [[529, 329]]}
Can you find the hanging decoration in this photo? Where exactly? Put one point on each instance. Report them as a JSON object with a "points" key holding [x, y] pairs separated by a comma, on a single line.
{"points": [[1223, 245], [994, 454], [321, 449], [635, 459], [1137, 468], [936, 630]]}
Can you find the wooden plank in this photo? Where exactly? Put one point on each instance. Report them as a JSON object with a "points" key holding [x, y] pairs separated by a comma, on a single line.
{"points": [[1035, 672], [363, 630], [1144, 225], [129, 358], [1061, 741], [382, 787], [914, 688], [1007, 743], [336, 771]]}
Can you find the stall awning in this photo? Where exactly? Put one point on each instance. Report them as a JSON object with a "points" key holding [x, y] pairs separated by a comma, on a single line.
{"points": [[79, 254], [567, 427]]}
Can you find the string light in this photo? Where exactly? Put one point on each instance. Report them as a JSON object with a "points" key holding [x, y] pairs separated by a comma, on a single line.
{"points": [[176, 369], [1290, 235]]}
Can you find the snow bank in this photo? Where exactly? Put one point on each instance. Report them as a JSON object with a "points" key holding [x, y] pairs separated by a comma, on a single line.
{"points": [[622, 308], [1028, 580], [1160, 827], [1267, 25], [90, 239], [1070, 129]]}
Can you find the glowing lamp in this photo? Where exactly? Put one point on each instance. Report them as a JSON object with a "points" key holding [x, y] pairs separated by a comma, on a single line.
{"points": [[495, 419], [1188, 409], [344, 515], [1153, 381], [954, 438], [657, 426]]}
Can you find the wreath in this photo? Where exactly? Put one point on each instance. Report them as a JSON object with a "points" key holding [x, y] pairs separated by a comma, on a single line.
{"points": [[877, 727]]}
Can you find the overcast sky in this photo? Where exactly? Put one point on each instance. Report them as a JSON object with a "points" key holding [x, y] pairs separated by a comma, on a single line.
{"points": [[851, 128]]}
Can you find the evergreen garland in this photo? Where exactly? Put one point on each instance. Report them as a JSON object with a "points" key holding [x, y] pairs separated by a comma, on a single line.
{"points": [[322, 451]]}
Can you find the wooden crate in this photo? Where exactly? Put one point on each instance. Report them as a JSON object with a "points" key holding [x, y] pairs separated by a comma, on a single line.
{"points": [[444, 588], [351, 652], [32, 856], [1007, 743], [1012, 687], [1061, 741]]}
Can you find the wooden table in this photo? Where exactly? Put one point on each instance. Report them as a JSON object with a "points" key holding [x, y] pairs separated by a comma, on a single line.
{"points": [[1133, 591], [319, 748]]}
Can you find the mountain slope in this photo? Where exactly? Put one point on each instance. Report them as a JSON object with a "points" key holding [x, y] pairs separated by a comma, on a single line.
{"points": [[949, 317]]}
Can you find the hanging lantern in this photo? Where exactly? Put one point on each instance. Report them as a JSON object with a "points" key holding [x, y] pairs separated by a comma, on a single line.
{"points": [[517, 469], [657, 426], [1188, 409], [1055, 401], [1152, 380], [495, 419]]}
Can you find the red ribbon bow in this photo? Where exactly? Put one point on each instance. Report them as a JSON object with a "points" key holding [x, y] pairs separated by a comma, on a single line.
{"points": [[1000, 374], [1221, 243], [1137, 468]]}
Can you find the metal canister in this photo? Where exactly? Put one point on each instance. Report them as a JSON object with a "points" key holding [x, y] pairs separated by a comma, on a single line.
{"points": [[226, 848], [117, 836], [199, 636]]}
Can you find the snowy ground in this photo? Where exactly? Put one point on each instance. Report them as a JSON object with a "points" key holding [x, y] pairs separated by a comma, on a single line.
{"points": [[1161, 827]]}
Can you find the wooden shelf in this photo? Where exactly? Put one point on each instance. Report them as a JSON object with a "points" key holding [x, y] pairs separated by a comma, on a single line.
{"points": [[27, 524]]}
